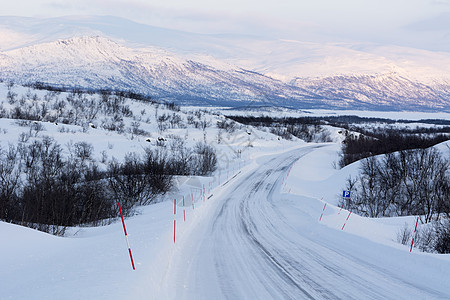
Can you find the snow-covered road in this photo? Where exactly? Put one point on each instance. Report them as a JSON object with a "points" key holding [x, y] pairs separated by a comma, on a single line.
{"points": [[258, 236], [255, 242]]}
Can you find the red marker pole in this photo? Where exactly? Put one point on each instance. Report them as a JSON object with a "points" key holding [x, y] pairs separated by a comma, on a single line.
{"points": [[341, 208], [184, 211], [346, 221], [192, 197], [415, 229], [322, 211], [126, 236], [174, 220]]}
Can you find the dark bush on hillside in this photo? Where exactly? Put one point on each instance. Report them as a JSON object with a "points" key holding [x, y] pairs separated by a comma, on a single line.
{"points": [[158, 167], [410, 182], [228, 125], [442, 242], [306, 128], [433, 237], [206, 159], [128, 183], [48, 192], [42, 189], [355, 148], [172, 106], [10, 182]]}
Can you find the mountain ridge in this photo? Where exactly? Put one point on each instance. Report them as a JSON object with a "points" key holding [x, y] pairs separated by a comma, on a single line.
{"points": [[218, 76]]}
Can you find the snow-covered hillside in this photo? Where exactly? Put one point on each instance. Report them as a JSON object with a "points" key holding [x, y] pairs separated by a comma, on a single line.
{"points": [[99, 52], [99, 63], [252, 229]]}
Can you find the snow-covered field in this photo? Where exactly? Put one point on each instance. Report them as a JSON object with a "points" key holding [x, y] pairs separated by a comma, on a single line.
{"points": [[276, 112], [256, 233], [255, 236]]}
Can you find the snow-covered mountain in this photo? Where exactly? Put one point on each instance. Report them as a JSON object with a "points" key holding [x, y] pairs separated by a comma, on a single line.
{"points": [[108, 52], [391, 90], [99, 63]]}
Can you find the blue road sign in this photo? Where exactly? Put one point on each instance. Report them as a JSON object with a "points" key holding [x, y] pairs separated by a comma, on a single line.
{"points": [[346, 194]]}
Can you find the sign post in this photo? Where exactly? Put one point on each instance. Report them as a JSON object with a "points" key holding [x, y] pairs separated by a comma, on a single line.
{"points": [[345, 196]]}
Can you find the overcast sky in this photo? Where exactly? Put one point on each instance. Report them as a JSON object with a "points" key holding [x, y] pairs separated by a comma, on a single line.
{"points": [[385, 21]]}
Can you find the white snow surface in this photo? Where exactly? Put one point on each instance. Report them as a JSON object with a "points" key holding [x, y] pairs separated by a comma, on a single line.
{"points": [[256, 235]]}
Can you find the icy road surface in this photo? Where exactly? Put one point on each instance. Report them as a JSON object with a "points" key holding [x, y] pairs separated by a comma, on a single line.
{"points": [[256, 242]]}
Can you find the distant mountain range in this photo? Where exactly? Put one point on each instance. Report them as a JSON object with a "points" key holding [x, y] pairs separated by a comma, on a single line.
{"points": [[113, 53]]}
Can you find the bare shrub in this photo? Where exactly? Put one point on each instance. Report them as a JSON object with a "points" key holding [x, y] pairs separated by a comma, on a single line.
{"points": [[404, 235]]}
